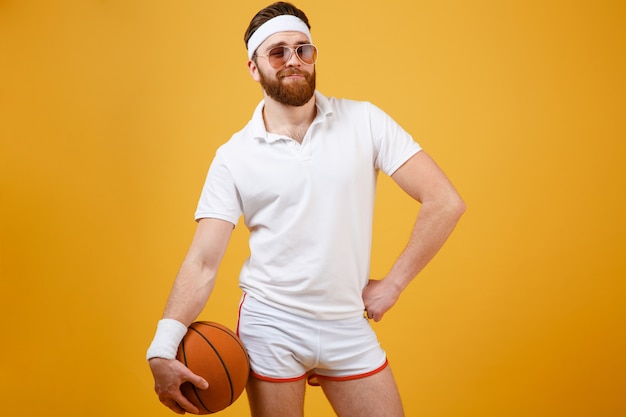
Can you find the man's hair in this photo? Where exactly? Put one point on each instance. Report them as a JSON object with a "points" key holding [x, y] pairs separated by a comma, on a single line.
{"points": [[273, 10]]}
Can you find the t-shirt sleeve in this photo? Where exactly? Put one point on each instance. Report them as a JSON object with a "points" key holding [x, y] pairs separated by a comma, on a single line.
{"points": [[219, 198], [393, 145]]}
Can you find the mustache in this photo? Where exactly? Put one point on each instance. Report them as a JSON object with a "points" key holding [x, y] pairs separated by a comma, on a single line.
{"points": [[291, 71]]}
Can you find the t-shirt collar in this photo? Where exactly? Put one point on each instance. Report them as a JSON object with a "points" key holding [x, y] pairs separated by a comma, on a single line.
{"points": [[324, 110]]}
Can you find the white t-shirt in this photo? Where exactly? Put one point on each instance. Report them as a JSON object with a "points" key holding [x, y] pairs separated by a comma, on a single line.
{"points": [[309, 207]]}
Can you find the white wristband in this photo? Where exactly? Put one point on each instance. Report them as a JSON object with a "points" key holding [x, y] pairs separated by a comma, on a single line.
{"points": [[168, 336]]}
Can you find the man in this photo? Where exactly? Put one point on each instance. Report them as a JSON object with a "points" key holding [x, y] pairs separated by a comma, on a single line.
{"points": [[303, 173]]}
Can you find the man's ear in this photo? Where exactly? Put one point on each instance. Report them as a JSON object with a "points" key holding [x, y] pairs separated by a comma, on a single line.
{"points": [[254, 70]]}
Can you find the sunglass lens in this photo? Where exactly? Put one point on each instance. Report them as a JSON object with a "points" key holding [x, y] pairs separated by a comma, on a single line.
{"points": [[278, 56], [307, 53]]}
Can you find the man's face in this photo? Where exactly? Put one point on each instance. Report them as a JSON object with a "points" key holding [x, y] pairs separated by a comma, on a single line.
{"points": [[293, 83]]}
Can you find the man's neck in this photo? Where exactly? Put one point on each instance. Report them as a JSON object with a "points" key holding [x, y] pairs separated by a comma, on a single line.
{"points": [[287, 120]]}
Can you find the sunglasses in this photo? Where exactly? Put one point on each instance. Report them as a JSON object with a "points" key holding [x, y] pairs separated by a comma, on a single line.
{"points": [[280, 55]]}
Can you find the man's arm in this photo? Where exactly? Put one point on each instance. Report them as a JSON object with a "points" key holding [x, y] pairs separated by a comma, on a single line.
{"points": [[442, 207], [196, 277], [191, 290]]}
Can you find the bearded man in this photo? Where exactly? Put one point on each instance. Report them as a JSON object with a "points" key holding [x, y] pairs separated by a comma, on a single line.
{"points": [[302, 173]]}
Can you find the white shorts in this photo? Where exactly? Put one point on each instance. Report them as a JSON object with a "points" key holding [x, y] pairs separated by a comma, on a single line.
{"points": [[284, 347]]}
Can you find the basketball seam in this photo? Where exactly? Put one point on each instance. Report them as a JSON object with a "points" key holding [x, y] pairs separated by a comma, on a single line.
{"points": [[230, 382], [193, 387], [236, 339]]}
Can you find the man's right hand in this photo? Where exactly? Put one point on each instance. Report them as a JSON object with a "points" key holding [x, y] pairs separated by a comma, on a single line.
{"points": [[169, 375]]}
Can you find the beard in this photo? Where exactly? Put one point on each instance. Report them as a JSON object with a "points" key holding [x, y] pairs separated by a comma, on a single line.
{"points": [[292, 93]]}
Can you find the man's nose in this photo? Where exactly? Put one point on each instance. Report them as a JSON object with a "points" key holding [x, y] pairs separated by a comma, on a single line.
{"points": [[293, 59]]}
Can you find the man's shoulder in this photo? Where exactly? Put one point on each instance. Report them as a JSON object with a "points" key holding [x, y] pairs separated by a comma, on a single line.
{"points": [[234, 145]]}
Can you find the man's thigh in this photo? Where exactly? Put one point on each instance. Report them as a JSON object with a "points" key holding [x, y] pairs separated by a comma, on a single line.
{"points": [[372, 396], [276, 399]]}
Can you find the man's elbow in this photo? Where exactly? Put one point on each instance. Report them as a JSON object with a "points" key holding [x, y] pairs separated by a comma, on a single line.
{"points": [[455, 206]]}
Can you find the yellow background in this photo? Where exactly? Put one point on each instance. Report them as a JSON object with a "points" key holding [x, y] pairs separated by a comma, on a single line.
{"points": [[110, 112]]}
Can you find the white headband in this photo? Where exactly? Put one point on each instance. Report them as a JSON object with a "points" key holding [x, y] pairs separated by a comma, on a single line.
{"points": [[283, 23]]}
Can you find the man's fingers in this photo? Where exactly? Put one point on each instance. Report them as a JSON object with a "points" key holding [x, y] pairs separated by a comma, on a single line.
{"points": [[373, 316], [178, 403], [188, 376], [172, 405], [186, 405], [170, 375], [199, 382]]}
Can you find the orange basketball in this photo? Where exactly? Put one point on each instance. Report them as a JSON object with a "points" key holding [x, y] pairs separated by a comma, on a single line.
{"points": [[214, 352]]}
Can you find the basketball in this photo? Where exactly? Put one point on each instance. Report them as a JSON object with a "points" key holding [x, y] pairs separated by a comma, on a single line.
{"points": [[215, 353]]}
